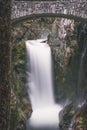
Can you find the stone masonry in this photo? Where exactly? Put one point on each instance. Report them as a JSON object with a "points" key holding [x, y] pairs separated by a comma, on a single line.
{"points": [[76, 8]]}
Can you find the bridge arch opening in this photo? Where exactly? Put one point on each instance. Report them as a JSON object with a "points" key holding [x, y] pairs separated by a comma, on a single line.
{"points": [[22, 19]]}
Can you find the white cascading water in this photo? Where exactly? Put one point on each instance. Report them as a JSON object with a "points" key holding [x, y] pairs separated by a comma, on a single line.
{"points": [[40, 87]]}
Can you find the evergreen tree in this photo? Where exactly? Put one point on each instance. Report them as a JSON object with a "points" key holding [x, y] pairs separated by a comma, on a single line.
{"points": [[5, 62]]}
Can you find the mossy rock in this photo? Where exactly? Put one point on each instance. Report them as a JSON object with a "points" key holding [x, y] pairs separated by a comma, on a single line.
{"points": [[67, 115]]}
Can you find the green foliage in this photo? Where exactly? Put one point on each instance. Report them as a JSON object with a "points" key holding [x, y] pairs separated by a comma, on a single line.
{"points": [[18, 80], [19, 51], [19, 111]]}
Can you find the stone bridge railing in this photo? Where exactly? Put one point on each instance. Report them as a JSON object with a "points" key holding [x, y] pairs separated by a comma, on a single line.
{"points": [[76, 8]]}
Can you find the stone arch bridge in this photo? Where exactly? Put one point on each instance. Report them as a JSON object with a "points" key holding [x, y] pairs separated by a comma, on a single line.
{"points": [[72, 9]]}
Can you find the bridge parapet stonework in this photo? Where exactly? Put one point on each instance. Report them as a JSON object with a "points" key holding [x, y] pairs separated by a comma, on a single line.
{"points": [[76, 8]]}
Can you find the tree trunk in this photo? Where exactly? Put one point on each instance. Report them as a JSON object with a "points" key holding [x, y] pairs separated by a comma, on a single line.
{"points": [[5, 63]]}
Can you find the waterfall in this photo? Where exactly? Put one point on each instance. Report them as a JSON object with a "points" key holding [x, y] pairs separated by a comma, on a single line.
{"points": [[81, 75], [40, 86]]}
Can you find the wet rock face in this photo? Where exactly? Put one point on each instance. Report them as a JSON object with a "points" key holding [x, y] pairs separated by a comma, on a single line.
{"points": [[81, 35], [82, 43], [64, 46], [67, 115], [78, 120], [74, 118]]}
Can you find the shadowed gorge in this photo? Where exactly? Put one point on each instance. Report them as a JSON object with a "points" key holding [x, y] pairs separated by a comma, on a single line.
{"points": [[66, 39]]}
